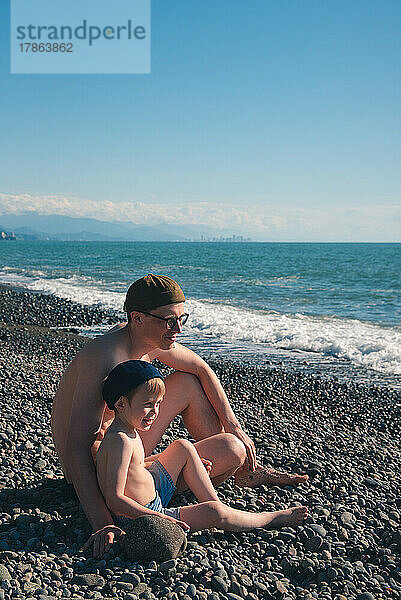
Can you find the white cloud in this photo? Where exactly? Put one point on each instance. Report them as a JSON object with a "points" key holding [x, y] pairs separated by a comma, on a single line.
{"points": [[214, 215], [354, 223]]}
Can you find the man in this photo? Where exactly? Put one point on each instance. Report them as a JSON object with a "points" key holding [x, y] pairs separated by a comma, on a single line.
{"points": [[80, 418]]}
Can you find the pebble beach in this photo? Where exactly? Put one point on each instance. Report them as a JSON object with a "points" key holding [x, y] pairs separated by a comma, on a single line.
{"points": [[344, 435]]}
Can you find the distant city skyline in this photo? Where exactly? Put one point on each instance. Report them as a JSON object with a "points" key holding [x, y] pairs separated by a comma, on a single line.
{"points": [[277, 121]]}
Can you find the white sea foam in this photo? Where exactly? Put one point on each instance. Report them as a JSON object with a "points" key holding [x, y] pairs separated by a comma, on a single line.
{"points": [[364, 344], [84, 290]]}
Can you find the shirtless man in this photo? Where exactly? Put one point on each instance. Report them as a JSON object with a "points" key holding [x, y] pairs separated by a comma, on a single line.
{"points": [[80, 418]]}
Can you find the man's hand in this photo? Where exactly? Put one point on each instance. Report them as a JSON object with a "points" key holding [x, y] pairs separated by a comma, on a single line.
{"points": [[248, 443], [103, 539]]}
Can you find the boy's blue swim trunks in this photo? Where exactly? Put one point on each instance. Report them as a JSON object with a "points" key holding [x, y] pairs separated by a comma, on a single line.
{"points": [[165, 489]]}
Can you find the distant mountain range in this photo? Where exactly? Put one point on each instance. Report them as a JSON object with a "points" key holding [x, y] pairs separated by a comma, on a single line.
{"points": [[31, 225]]}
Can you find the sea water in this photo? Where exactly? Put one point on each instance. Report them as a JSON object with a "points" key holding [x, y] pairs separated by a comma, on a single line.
{"points": [[331, 307]]}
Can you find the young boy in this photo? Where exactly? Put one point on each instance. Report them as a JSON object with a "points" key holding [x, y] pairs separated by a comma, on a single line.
{"points": [[133, 485]]}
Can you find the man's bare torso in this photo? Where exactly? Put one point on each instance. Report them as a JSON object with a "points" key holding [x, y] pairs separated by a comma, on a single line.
{"points": [[81, 386]]}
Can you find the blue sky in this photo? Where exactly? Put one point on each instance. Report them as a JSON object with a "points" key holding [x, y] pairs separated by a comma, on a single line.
{"points": [[280, 119]]}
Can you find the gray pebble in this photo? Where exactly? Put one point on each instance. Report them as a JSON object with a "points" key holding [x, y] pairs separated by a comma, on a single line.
{"points": [[191, 590], [347, 519], [88, 579], [318, 529], [130, 578], [218, 584], [4, 573], [314, 543], [372, 483], [168, 565]]}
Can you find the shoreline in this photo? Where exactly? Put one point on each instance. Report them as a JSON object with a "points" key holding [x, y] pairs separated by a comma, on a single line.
{"points": [[344, 435], [90, 321]]}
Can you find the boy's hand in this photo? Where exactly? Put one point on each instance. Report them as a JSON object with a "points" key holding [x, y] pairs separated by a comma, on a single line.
{"points": [[182, 524], [103, 539]]}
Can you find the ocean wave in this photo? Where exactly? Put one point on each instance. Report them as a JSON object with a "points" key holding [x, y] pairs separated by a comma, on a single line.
{"points": [[363, 344], [81, 289]]}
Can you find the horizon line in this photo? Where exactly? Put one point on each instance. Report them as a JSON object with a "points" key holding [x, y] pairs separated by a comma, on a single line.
{"points": [[200, 241]]}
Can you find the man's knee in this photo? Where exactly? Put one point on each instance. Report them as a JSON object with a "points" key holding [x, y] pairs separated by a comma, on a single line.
{"points": [[184, 446], [236, 448]]}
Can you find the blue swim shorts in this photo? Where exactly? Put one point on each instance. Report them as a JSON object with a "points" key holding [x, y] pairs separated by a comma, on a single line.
{"points": [[165, 489]]}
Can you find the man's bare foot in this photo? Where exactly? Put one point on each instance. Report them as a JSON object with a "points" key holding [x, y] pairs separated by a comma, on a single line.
{"points": [[267, 476], [292, 517]]}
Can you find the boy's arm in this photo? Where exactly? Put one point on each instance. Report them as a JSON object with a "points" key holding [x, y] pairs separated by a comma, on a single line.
{"points": [[118, 454], [184, 359], [151, 459]]}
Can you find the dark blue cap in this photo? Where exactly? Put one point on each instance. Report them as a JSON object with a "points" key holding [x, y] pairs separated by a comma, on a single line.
{"points": [[125, 377]]}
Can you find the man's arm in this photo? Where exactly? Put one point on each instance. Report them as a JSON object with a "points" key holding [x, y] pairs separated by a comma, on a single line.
{"points": [[184, 359], [86, 418]]}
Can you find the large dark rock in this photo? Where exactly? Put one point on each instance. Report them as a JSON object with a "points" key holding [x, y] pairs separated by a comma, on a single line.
{"points": [[153, 538]]}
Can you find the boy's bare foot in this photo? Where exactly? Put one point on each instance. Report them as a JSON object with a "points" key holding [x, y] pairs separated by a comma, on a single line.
{"points": [[292, 517], [267, 476]]}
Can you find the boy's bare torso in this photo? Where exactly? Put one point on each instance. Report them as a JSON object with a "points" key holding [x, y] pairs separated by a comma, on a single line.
{"points": [[80, 390], [139, 485]]}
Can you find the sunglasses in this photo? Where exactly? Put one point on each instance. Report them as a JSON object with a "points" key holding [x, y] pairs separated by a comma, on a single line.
{"points": [[171, 322]]}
